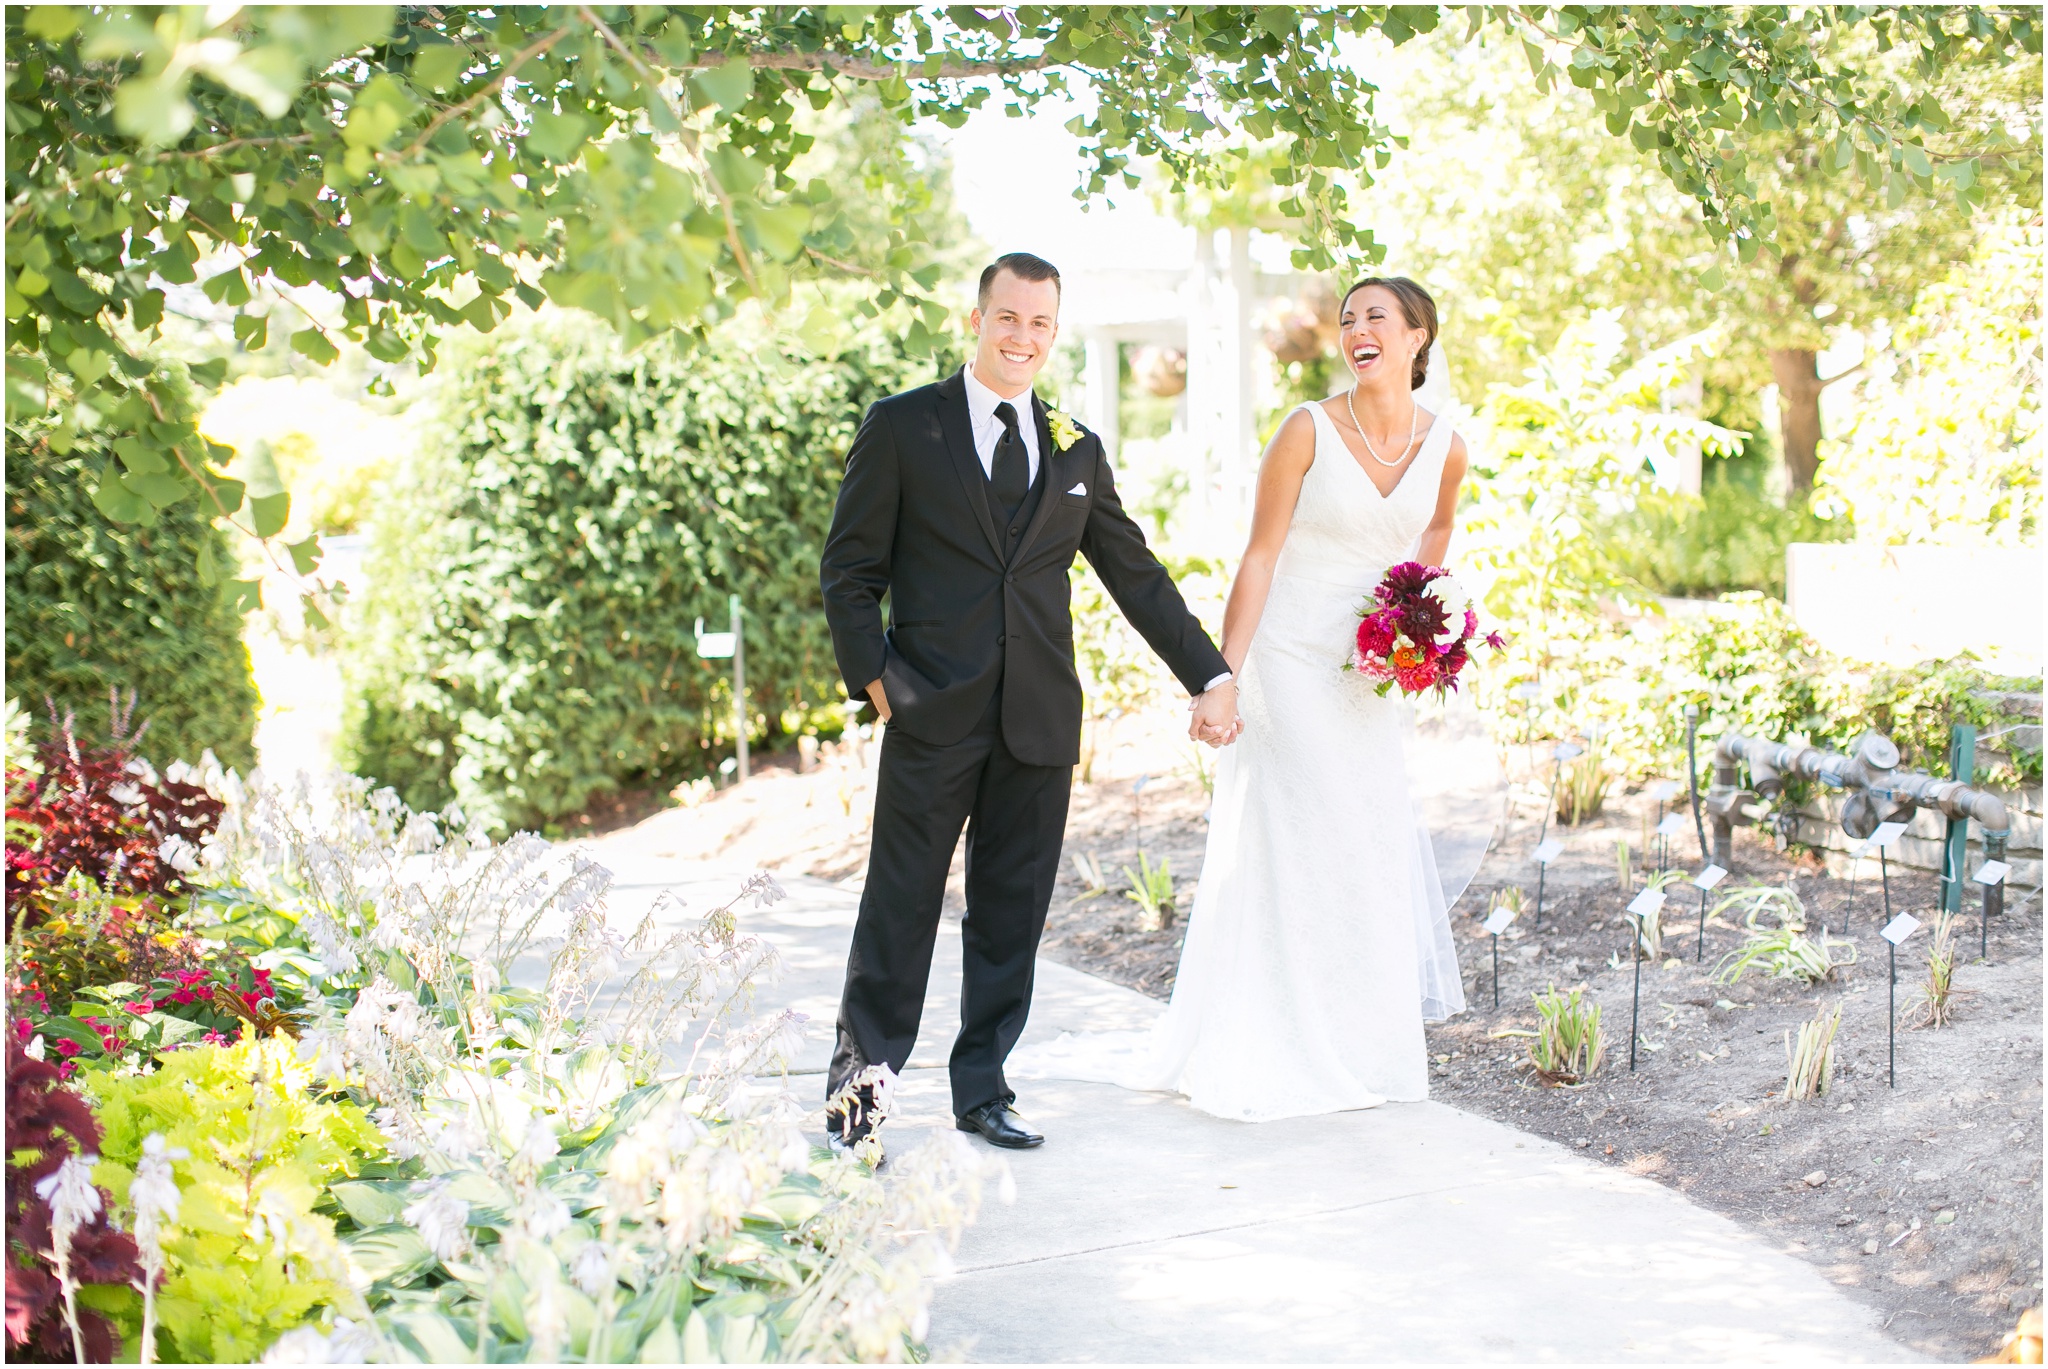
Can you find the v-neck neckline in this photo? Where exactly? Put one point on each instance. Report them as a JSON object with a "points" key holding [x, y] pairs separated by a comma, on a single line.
{"points": [[1406, 466]]}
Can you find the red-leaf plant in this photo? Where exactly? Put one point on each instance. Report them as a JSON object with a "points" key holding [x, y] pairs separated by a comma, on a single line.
{"points": [[100, 811], [46, 1123]]}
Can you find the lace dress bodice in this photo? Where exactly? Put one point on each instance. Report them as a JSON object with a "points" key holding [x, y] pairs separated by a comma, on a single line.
{"points": [[1344, 530]]}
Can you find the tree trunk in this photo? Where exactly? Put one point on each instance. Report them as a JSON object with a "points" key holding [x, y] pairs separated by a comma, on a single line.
{"points": [[1797, 372]]}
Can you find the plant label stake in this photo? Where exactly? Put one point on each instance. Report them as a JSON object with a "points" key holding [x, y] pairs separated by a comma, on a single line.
{"points": [[1703, 881], [1641, 909], [1879, 841], [1545, 852], [719, 646], [1990, 874], [1668, 826], [1660, 794], [1895, 931], [1494, 926]]}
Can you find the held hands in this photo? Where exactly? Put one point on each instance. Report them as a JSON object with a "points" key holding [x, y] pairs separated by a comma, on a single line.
{"points": [[1215, 718]]}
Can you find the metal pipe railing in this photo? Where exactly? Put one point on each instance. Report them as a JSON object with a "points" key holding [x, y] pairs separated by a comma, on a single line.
{"points": [[1880, 792]]}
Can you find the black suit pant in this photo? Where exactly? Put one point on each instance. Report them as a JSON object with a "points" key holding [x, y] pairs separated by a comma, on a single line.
{"points": [[1016, 816]]}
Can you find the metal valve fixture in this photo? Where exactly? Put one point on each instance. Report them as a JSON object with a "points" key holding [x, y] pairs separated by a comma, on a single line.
{"points": [[1880, 792]]}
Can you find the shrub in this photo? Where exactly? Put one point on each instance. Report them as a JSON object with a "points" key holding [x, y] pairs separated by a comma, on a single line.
{"points": [[526, 641], [92, 604]]}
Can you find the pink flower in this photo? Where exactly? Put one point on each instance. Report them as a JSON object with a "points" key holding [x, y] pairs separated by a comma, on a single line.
{"points": [[68, 1048], [1376, 634], [1471, 623], [140, 1005], [1416, 678], [22, 1030], [184, 996]]}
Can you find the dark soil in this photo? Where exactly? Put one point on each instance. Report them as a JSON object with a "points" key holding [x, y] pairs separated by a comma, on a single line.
{"points": [[1924, 1198]]}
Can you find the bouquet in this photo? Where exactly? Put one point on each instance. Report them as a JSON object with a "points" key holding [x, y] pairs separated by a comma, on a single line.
{"points": [[1417, 632]]}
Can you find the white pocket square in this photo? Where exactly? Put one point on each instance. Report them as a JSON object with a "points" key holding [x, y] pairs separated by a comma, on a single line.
{"points": [[1079, 488]]}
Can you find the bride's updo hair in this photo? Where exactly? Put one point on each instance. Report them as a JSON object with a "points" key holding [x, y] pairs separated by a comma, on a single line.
{"points": [[1417, 309]]}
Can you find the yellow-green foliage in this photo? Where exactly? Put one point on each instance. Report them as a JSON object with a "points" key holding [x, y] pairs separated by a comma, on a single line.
{"points": [[248, 1257]]}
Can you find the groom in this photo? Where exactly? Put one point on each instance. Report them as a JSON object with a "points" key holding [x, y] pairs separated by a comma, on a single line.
{"points": [[964, 503]]}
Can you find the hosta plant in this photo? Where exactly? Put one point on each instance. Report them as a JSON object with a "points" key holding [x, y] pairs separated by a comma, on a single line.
{"points": [[605, 1165]]}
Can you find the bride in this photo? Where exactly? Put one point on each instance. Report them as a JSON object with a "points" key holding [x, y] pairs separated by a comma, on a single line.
{"points": [[1319, 940]]}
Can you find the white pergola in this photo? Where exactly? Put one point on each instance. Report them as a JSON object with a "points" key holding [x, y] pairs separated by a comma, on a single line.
{"points": [[1206, 310]]}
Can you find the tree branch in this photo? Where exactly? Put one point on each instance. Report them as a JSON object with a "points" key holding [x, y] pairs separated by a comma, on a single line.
{"points": [[867, 69]]}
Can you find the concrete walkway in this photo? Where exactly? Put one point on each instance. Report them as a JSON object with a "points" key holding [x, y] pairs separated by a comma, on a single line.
{"points": [[1147, 1231]]}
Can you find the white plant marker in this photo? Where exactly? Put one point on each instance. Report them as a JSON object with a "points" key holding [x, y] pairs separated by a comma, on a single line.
{"points": [[1672, 825], [1895, 931], [1498, 922], [1647, 902], [1709, 877], [1991, 872], [1548, 850]]}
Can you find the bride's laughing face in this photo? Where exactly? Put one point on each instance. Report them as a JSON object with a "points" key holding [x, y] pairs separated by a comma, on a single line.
{"points": [[1374, 338]]}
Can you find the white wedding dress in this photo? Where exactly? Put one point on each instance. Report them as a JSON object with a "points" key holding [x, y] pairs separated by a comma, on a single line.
{"points": [[1320, 940]]}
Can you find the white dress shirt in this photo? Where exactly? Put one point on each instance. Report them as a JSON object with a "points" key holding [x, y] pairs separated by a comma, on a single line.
{"points": [[988, 429]]}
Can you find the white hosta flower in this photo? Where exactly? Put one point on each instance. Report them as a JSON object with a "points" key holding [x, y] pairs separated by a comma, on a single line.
{"points": [[345, 1344], [154, 1191], [442, 1221], [547, 1321], [591, 1269], [70, 1193], [178, 853], [544, 1216], [323, 1050], [538, 1146]]}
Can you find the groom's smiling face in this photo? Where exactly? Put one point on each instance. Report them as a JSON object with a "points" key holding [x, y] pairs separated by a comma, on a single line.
{"points": [[1017, 328]]}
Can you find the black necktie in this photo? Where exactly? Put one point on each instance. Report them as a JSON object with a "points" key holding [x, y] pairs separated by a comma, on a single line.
{"points": [[1010, 474]]}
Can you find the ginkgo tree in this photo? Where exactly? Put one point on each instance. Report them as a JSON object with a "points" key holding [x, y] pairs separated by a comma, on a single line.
{"points": [[381, 175]]}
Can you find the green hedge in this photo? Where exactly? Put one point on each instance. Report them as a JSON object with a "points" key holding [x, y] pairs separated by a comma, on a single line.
{"points": [[93, 604], [525, 642]]}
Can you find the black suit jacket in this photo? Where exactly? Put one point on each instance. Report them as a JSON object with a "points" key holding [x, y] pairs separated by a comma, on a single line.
{"points": [[913, 521]]}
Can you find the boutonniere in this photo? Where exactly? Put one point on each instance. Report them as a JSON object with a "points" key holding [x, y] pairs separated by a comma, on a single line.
{"points": [[1065, 432]]}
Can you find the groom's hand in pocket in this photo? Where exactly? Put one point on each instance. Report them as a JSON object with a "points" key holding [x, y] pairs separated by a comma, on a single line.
{"points": [[1215, 716], [880, 698]]}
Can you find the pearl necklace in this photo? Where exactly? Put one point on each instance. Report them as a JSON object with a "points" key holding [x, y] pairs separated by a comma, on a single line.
{"points": [[1414, 417]]}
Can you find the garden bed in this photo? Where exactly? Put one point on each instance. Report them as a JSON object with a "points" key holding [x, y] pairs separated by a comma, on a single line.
{"points": [[1703, 1110], [1942, 1173]]}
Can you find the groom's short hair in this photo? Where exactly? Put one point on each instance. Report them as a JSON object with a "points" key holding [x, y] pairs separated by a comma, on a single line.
{"points": [[1023, 266]]}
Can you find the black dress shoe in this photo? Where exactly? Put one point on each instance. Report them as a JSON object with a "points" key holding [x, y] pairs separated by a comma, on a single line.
{"points": [[998, 1126]]}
